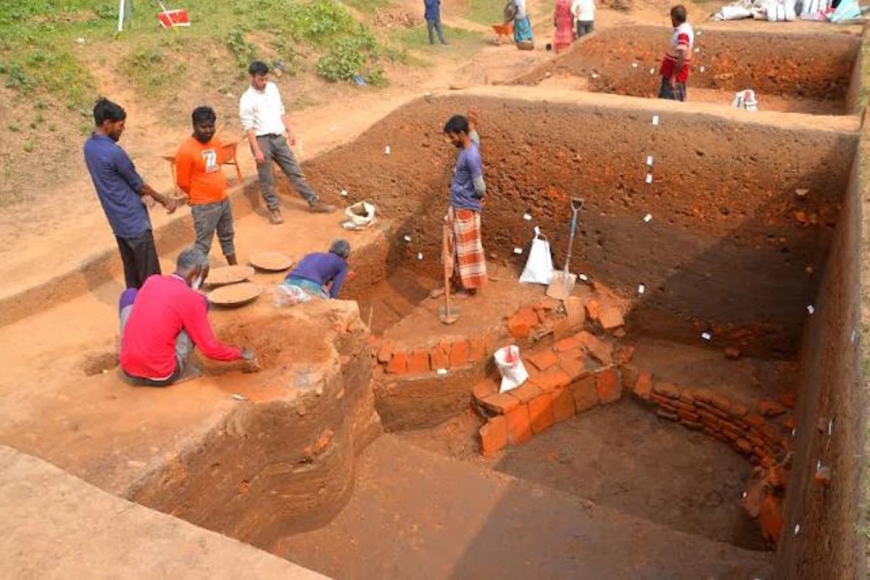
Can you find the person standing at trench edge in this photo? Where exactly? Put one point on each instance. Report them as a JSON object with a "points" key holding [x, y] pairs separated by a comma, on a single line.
{"points": [[675, 65], [267, 127], [124, 195], [463, 254], [433, 20]]}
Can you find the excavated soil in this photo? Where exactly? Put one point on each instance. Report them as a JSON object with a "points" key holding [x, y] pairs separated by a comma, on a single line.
{"points": [[802, 70]]}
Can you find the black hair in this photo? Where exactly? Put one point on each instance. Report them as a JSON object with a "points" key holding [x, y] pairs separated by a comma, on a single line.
{"points": [[106, 110], [340, 248], [678, 13], [258, 68], [201, 114], [456, 124]]}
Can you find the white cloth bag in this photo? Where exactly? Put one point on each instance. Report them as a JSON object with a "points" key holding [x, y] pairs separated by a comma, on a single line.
{"points": [[513, 372], [539, 266]]}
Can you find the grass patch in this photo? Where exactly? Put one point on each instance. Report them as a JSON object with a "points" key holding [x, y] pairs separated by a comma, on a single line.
{"points": [[368, 6], [417, 38], [486, 11]]}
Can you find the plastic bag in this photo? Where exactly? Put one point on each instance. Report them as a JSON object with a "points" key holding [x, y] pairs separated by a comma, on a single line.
{"points": [[513, 372], [745, 100], [539, 266], [288, 295]]}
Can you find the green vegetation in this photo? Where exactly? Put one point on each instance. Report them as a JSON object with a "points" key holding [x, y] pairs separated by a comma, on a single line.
{"points": [[486, 11], [460, 39], [369, 6]]}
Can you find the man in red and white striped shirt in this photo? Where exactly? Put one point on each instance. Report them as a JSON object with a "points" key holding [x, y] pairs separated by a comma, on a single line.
{"points": [[675, 65]]}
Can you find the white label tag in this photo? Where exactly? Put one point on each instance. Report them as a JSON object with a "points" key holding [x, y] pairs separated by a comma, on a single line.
{"points": [[655, 119], [518, 250], [527, 217], [706, 336], [343, 193], [584, 277], [702, 69], [649, 177], [420, 256], [649, 160], [387, 149], [647, 218], [810, 309], [408, 239], [641, 289]]}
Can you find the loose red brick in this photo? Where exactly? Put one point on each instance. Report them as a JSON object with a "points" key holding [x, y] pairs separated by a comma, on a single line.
{"points": [[484, 389], [608, 386], [552, 379], [385, 352], [600, 350], [667, 415], [629, 376], [732, 353], [643, 387], [593, 310], [544, 359], [439, 358], [693, 425], [744, 446], [398, 364], [519, 429], [584, 393], [770, 519], [493, 436], [521, 323], [576, 311], [611, 319], [788, 400], [525, 392], [668, 390], [477, 349], [703, 395], [738, 410], [418, 362], [460, 353], [561, 329], [721, 402], [688, 415], [771, 409], [541, 415], [576, 367], [500, 403], [563, 405], [567, 344], [623, 355]]}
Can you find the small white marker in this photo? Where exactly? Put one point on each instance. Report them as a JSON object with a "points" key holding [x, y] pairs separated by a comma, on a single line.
{"points": [[853, 337], [387, 149], [797, 529], [744, 495], [240, 397], [343, 193], [830, 427], [794, 432], [527, 217], [652, 71], [594, 75], [699, 33], [810, 309], [641, 289], [584, 277], [702, 69], [420, 256], [408, 239], [441, 372], [647, 218], [518, 250], [818, 464], [649, 160], [706, 336], [655, 119], [697, 50], [634, 65], [649, 177]]}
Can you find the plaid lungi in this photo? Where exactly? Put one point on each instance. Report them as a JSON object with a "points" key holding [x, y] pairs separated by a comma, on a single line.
{"points": [[464, 248]]}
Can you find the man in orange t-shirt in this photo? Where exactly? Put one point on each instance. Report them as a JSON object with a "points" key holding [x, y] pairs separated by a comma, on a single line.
{"points": [[198, 174]]}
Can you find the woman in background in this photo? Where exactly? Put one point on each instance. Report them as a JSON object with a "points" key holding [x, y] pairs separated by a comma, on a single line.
{"points": [[563, 20], [515, 11]]}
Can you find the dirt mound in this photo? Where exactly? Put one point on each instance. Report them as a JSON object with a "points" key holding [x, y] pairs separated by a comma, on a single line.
{"points": [[392, 18]]}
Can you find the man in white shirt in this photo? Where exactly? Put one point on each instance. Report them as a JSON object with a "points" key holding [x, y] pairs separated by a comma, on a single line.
{"points": [[584, 16], [265, 122]]}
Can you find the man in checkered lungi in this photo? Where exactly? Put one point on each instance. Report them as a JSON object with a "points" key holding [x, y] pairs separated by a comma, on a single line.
{"points": [[463, 252]]}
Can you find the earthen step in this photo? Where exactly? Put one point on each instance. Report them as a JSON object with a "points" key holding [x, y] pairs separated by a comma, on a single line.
{"points": [[415, 514]]}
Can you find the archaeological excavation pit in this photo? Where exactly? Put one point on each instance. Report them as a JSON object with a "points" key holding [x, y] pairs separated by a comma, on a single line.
{"points": [[711, 352], [792, 72]]}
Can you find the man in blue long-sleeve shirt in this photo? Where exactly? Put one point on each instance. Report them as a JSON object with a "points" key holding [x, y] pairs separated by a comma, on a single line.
{"points": [[433, 20], [317, 271]]}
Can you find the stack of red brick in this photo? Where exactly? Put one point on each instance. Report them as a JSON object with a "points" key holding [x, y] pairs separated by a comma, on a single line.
{"points": [[747, 431], [447, 354], [573, 375]]}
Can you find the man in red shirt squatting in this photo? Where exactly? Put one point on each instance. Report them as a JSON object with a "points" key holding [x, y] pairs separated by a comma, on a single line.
{"points": [[675, 65], [161, 323]]}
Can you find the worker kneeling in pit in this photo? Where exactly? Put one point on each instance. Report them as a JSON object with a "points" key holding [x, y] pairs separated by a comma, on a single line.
{"points": [[322, 274], [162, 322]]}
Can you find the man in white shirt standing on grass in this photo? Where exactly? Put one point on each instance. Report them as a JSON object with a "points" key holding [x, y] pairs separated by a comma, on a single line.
{"points": [[584, 16], [265, 122]]}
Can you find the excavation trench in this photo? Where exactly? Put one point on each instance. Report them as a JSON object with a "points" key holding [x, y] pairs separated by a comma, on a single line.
{"points": [[807, 73], [740, 241]]}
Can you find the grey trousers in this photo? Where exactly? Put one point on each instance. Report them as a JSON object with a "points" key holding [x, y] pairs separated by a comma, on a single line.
{"points": [[435, 25], [210, 218], [183, 348], [275, 148]]}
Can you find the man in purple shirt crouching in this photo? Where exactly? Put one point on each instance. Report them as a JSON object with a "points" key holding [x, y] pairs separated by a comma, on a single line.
{"points": [[321, 270]]}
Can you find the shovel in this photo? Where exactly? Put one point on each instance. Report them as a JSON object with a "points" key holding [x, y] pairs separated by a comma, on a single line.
{"points": [[447, 313], [562, 284]]}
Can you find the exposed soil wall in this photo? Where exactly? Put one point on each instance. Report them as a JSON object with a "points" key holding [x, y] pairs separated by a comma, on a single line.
{"points": [[730, 246], [828, 543], [812, 66], [286, 465]]}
